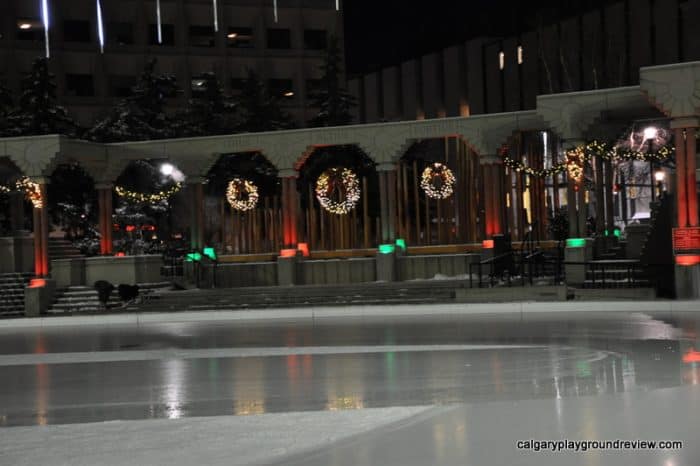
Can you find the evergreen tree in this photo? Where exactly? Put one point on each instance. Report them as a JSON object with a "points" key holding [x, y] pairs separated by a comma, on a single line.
{"points": [[209, 112], [333, 101], [141, 116], [259, 111], [37, 112]]}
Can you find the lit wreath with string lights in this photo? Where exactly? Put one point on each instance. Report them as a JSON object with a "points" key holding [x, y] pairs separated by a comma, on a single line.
{"points": [[242, 194], [147, 198], [575, 161], [438, 181], [32, 191], [338, 190]]}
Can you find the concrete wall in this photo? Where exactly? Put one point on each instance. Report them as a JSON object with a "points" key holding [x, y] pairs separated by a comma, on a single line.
{"points": [[428, 266], [127, 270], [246, 274], [337, 271]]}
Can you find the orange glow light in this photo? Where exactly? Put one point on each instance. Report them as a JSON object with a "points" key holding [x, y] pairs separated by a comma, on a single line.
{"points": [[687, 260], [37, 283], [288, 253], [487, 244], [691, 356], [304, 248]]}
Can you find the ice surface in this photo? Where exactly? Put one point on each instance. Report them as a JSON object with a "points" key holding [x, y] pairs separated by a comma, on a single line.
{"points": [[224, 440]]}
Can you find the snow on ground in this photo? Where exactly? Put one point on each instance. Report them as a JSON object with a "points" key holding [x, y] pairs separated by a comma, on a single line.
{"points": [[223, 440]]}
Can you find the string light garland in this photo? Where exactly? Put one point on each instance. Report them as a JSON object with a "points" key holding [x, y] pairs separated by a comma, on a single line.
{"points": [[338, 190], [32, 191], [575, 163], [242, 194], [438, 181], [147, 198], [592, 149]]}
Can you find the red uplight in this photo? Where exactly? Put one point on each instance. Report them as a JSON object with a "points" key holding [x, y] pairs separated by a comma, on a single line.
{"points": [[148, 228], [487, 244], [691, 356], [288, 253], [687, 260], [120, 254], [37, 283], [130, 228], [304, 248]]}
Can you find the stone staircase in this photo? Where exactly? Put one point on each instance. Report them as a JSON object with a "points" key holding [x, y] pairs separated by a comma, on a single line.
{"points": [[12, 287], [62, 249], [83, 299], [414, 292]]}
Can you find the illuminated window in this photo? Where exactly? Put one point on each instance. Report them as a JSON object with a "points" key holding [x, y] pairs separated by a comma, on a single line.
{"points": [[281, 88], [30, 29], [240, 37], [501, 60], [520, 54]]}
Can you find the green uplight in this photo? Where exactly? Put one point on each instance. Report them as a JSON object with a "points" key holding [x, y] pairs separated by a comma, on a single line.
{"points": [[617, 232], [210, 253], [400, 242], [387, 248], [575, 242], [193, 257]]}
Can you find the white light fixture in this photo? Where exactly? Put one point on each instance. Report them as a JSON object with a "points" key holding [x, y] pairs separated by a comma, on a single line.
{"points": [[501, 60], [45, 18], [650, 133], [216, 16], [159, 24], [232, 35], [337, 5], [100, 27], [25, 26], [274, 5], [520, 54], [289, 94], [167, 169], [660, 175]]}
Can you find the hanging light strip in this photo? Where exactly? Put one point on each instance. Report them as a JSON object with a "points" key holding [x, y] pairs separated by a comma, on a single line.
{"points": [[337, 5], [159, 21], [45, 16], [100, 27], [216, 17], [275, 9]]}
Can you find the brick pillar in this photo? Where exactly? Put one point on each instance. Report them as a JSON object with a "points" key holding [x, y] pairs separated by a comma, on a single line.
{"points": [[105, 211], [686, 180], [387, 200], [494, 196], [290, 208], [195, 188], [41, 231]]}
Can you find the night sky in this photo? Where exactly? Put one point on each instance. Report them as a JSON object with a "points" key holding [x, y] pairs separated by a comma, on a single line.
{"points": [[384, 32]]}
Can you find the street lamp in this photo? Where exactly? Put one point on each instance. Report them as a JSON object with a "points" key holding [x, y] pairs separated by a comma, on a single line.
{"points": [[167, 169]]}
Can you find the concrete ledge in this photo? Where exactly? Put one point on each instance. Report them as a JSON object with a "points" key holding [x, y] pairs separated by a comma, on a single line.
{"points": [[426, 312]]}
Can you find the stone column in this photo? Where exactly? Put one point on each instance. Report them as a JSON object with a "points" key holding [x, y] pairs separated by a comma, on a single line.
{"points": [[685, 183], [494, 198], [195, 188], [104, 212], [41, 230], [290, 208], [387, 200]]}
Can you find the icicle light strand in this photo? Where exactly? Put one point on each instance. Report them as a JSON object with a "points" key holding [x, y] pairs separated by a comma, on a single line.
{"points": [[100, 27], [45, 16], [160, 23], [275, 9], [216, 17]]}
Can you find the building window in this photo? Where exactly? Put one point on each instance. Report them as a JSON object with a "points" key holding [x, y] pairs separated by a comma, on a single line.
{"points": [[279, 39], [501, 60], [80, 85], [202, 36], [120, 86], [315, 39], [121, 33], [240, 37], [237, 85], [75, 30], [30, 29], [168, 31], [520, 54], [281, 88]]}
